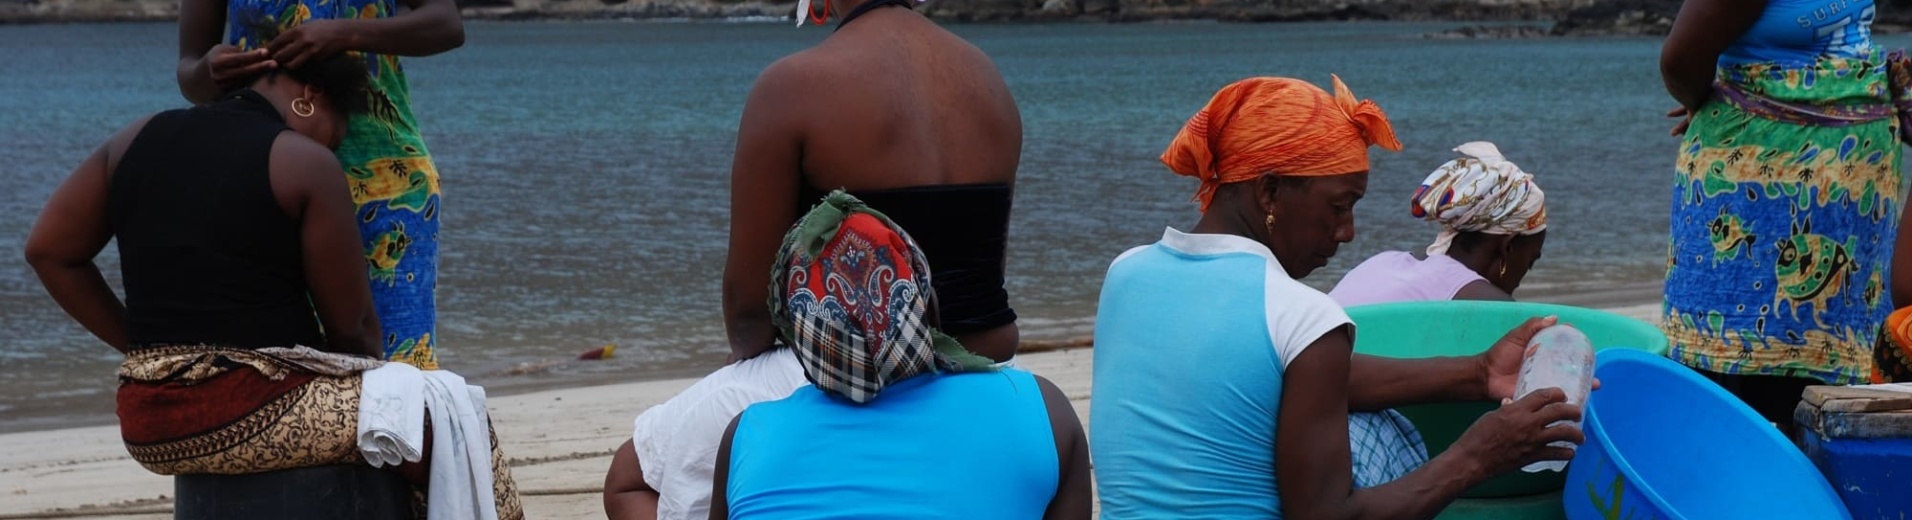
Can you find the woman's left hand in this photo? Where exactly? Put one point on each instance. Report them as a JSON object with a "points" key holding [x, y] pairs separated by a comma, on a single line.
{"points": [[311, 40], [1500, 364], [1686, 119]]}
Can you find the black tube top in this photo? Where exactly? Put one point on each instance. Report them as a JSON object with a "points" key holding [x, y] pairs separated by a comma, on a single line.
{"points": [[964, 230]]}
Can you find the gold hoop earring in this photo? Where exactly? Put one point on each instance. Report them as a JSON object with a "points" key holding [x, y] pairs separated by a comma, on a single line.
{"points": [[1503, 271], [1269, 222], [303, 107]]}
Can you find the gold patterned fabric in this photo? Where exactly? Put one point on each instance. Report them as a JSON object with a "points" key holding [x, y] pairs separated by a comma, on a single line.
{"points": [[187, 410]]}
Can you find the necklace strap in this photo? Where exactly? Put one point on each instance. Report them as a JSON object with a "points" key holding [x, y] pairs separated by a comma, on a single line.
{"points": [[872, 5]]}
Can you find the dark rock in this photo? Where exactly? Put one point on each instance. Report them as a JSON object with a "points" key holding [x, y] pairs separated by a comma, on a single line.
{"points": [[1895, 14], [468, 4], [1620, 18], [1491, 32]]}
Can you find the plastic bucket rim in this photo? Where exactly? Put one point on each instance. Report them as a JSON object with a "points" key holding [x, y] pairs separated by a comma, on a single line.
{"points": [[1541, 310], [1791, 457]]}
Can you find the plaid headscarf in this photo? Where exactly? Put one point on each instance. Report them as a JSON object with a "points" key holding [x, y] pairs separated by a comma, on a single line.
{"points": [[850, 294]]}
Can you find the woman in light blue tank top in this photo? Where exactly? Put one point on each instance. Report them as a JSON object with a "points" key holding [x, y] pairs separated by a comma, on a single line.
{"points": [[1786, 196], [900, 421]]}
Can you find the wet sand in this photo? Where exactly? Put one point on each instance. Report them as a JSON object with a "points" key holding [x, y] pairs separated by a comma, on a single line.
{"points": [[559, 442]]}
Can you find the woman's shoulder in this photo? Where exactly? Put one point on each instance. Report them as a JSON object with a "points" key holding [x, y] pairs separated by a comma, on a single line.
{"points": [[1382, 262], [290, 145]]}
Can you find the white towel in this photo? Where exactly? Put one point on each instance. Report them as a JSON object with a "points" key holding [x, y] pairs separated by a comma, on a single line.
{"points": [[391, 426], [392, 409], [461, 450]]}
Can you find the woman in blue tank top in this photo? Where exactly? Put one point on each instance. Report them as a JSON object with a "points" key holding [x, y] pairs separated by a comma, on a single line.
{"points": [[1786, 194], [900, 421]]}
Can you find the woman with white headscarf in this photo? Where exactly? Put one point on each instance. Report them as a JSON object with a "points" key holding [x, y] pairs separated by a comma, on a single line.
{"points": [[1493, 223]]}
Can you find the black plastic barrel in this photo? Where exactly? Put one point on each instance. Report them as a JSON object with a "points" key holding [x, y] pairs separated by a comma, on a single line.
{"points": [[320, 492]]}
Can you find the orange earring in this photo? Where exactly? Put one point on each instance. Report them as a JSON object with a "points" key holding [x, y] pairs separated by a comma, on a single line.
{"points": [[820, 20]]}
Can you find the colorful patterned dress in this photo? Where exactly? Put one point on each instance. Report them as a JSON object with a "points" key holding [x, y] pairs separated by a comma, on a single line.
{"points": [[1785, 210], [391, 175]]}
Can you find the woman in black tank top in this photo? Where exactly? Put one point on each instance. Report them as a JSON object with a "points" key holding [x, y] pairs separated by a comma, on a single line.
{"points": [[248, 316], [216, 209]]}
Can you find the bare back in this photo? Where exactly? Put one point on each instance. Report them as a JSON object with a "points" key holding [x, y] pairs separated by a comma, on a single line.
{"points": [[900, 102], [889, 101]]}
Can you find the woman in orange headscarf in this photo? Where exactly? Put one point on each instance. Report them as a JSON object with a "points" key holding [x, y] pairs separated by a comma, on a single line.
{"points": [[1211, 359]]}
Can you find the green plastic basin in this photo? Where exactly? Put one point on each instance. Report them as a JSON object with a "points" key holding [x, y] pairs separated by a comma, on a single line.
{"points": [[1462, 328], [1532, 507]]}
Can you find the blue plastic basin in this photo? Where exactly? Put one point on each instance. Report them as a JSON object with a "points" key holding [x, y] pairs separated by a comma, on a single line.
{"points": [[1665, 443]]}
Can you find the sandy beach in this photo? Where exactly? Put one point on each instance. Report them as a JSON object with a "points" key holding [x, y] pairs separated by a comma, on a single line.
{"points": [[559, 442]]}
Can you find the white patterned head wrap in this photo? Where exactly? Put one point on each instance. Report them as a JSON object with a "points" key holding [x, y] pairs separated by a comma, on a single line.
{"points": [[1480, 192]]}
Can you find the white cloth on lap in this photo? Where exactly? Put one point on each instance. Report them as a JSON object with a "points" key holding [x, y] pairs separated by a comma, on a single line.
{"points": [[393, 405], [391, 426], [676, 442], [461, 487]]}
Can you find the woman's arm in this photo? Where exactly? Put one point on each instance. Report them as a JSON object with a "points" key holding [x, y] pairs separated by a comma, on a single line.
{"points": [[430, 27], [1378, 383], [1314, 462], [1703, 30], [763, 190], [1075, 497], [206, 67], [71, 230], [720, 480], [626, 495], [1312, 441], [310, 187]]}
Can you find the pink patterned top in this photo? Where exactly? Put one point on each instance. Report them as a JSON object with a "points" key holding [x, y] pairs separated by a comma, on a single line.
{"points": [[1397, 276]]}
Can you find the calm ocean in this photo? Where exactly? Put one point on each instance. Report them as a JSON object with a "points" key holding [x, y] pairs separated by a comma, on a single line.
{"points": [[585, 168]]}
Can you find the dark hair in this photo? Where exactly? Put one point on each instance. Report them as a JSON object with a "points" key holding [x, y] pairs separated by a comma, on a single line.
{"points": [[1467, 241], [342, 77], [1293, 181]]}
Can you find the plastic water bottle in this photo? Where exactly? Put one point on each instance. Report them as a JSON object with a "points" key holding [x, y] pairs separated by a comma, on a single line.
{"points": [[1557, 357]]}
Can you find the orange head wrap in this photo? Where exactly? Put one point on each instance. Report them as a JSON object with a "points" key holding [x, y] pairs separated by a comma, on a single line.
{"points": [[1277, 125]]}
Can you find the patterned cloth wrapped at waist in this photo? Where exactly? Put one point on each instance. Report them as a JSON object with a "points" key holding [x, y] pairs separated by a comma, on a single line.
{"points": [[1784, 203], [1859, 90], [187, 364]]}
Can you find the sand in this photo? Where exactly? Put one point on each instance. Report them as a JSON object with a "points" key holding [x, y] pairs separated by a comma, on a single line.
{"points": [[559, 443]]}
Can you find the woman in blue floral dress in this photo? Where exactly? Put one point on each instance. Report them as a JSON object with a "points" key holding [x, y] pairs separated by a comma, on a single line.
{"points": [[391, 175]]}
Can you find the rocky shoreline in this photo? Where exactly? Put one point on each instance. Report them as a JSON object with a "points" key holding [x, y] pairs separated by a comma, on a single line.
{"points": [[1554, 17]]}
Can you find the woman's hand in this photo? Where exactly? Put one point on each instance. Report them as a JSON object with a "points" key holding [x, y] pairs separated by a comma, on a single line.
{"points": [[231, 68], [312, 40], [1519, 433], [1500, 364], [1686, 119]]}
